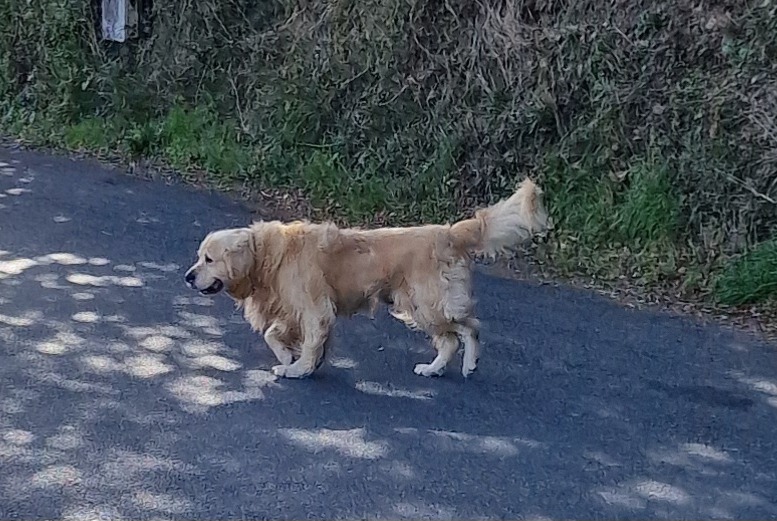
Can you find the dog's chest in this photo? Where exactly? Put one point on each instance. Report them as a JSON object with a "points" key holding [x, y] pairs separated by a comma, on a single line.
{"points": [[261, 311]]}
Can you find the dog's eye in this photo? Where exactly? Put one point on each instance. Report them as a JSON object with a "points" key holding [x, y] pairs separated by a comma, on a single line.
{"points": [[208, 259]]}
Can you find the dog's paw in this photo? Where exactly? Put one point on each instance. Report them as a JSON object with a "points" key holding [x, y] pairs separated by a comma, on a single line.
{"points": [[285, 358], [280, 370], [469, 366], [427, 370]]}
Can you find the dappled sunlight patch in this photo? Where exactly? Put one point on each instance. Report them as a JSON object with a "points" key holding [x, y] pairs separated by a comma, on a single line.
{"points": [[65, 259], [51, 348], [84, 279], [49, 281], [11, 453], [196, 348], [25, 320], [118, 347], [124, 267], [636, 494], [157, 343], [61, 343], [342, 362], [100, 363], [220, 363], [259, 378], [16, 266], [378, 389], [146, 366], [495, 445], [206, 323], [347, 442], [159, 502], [18, 191], [761, 385], [98, 261], [695, 457], [166, 268], [82, 295], [140, 332], [707, 452], [86, 317], [199, 393], [56, 476], [17, 437], [656, 490]]}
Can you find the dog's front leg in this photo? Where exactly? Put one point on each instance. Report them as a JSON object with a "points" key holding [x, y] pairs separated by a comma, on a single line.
{"points": [[311, 351], [446, 346], [273, 340]]}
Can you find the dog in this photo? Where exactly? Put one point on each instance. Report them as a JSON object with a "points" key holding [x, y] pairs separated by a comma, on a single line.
{"points": [[294, 279]]}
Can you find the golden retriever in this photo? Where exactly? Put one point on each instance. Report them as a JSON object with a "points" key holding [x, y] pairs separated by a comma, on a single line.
{"points": [[293, 279]]}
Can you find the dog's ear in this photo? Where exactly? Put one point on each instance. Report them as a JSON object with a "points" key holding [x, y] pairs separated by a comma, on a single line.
{"points": [[239, 256]]}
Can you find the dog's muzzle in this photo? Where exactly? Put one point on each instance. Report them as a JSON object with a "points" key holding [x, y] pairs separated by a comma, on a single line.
{"points": [[191, 277], [213, 288]]}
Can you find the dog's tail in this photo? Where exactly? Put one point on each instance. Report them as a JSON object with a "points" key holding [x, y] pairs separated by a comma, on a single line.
{"points": [[504, 225]]}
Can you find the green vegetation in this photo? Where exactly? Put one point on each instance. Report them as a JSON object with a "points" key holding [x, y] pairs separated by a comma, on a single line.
{"points": [[751, 278], [649, 124]]}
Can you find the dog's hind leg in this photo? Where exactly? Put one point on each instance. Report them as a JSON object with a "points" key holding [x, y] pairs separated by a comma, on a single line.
{"points": [[468, 331], [273, 337], [446, 345]]}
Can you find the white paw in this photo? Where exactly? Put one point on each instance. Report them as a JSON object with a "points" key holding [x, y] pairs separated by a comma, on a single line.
{"points": [[280, 370], [426, 370], [285, 358], [468, 366]]}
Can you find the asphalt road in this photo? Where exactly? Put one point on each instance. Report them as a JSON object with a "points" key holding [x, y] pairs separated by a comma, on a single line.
{"points": [[124, 394]]}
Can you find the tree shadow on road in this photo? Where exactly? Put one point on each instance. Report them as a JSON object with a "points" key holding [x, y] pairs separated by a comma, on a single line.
{"points": [[126, 395]]}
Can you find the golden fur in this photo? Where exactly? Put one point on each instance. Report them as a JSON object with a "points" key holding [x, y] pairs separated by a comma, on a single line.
{"points": [[293, 279]]}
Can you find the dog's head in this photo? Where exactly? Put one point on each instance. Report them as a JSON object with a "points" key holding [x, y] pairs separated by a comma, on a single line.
{"points": [[224, 259]]}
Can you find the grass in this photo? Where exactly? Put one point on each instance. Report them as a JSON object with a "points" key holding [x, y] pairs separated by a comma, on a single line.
{"points": [[751, 278]]}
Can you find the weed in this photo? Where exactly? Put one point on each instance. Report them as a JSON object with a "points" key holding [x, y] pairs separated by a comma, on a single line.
{"points": [[752, 278]]}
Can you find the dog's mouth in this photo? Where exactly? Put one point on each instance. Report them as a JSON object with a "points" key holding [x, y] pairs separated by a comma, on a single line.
{"points": [[213, 288]]}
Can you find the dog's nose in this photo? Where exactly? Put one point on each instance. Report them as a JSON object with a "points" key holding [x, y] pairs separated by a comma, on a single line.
{"points": [[189, 277]]}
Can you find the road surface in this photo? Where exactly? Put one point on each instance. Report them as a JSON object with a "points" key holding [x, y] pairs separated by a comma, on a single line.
{"points": [[125, 395]]}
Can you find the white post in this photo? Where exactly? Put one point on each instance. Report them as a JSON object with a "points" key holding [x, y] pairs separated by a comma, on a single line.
{"points": [[114, 22]]}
